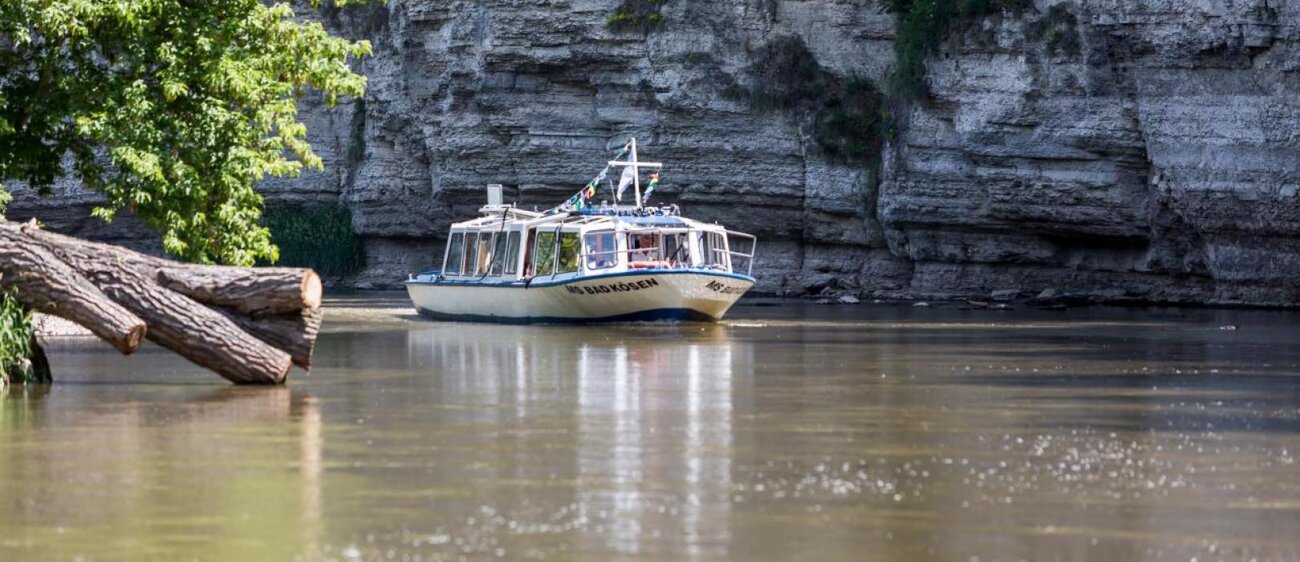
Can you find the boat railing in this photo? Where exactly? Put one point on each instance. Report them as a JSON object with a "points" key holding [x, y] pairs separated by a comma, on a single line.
{"points": [[749, 257], [653, 252]]}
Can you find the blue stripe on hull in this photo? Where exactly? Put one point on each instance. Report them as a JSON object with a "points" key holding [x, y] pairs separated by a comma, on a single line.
{"points": [[657, 315], [515, 284]]}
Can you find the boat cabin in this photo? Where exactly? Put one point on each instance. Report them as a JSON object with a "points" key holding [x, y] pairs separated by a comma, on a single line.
{"points": [[508, 244]]}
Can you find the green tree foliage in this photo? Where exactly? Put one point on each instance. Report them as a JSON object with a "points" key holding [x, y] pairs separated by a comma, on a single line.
{"points": [[173, 109], [922, 26], [16, 337]]}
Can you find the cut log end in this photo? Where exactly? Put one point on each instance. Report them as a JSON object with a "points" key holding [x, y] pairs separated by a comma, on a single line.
{"points": [[131, 343], [281, 376], [312, 290]]}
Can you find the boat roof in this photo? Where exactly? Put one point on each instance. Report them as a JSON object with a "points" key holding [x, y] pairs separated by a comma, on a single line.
{"points": [[656, 221], [610, 217]]}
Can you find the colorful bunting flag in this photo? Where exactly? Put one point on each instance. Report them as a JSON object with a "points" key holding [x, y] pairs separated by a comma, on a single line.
{"points": [[579, 200], [650, 188]]}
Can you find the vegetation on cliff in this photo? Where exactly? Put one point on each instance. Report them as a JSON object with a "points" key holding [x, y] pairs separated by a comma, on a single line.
{"points": [[644, 16], [1057, 31], [921, 27], [844, 115], [316, 236]]}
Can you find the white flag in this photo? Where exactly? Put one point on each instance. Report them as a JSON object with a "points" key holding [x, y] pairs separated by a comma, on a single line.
{"points": [[629, 174]]}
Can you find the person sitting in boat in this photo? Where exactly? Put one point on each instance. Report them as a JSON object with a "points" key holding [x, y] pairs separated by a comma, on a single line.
{"points": [[642, 246], [645, 253]]}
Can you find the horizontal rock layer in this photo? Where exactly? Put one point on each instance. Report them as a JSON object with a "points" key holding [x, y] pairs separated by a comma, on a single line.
{"points": [[1129, 149]]}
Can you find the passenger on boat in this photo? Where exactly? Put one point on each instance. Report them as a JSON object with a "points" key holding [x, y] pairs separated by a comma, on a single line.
{"points": [[642, 247], [644, 254]]}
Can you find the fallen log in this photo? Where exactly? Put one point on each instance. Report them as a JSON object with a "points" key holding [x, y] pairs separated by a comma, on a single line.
{"points": [[253, 332], [278, 290], [294, 333], [263, 290], [47, 284]]}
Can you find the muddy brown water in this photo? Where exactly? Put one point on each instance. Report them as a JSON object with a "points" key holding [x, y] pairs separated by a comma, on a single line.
{"points": [[791, 432]]}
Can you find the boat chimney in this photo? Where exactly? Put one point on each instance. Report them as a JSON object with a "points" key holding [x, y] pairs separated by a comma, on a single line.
{"points": [[494, 198]]}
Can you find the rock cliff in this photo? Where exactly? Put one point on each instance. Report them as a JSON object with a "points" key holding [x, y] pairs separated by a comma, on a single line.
{"points": [[1118, 149]]}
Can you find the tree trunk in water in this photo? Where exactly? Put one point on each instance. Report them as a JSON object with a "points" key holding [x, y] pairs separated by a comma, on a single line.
{"points": [[295, 333], [47, 284], [271, 321], [273, 290], [249, 291]]}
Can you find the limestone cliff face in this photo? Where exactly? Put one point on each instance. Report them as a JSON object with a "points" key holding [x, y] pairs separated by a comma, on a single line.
{"points": [[533, 94], [1157, 156], [1117, 148]]}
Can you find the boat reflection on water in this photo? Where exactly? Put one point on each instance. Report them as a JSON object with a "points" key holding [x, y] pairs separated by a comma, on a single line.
{"points": [[651, 423]]}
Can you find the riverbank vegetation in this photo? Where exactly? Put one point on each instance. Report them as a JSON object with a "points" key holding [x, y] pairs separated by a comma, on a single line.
{"points": [[316, 236], [20, 361]]}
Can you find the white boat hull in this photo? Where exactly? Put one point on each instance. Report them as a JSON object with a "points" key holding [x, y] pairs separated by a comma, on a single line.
{"points": [[690, 295]]}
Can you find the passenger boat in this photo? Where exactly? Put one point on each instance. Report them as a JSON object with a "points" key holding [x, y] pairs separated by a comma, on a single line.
{"points": [[584, 262]]}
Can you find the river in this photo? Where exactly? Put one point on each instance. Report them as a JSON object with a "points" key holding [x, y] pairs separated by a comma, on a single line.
{"points": [[788, 432]]}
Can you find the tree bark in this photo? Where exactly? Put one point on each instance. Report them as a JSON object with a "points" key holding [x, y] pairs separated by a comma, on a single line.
{"points": [[176, 322], [294, 333], [278, 290], [263, 290], [47, 284]]}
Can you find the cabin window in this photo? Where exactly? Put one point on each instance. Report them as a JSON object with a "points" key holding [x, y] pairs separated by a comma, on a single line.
{"points": [[570, 252], [714, 248], [642, 248], [511, 255], [602, 250], [471, 252], [484, 253], [455, 254], [499, 255], [677, 250], [720, 255], [544, 254]]}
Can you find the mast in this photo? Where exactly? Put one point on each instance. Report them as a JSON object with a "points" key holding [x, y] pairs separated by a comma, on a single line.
{"points": [[636, 175], [636, 164]]}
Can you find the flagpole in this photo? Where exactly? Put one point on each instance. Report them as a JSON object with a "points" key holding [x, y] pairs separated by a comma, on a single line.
{"points": [[636, 174]]}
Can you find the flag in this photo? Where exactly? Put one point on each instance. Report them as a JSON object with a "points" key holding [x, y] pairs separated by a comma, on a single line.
{"points": [[629, 175], [650, 187]]}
